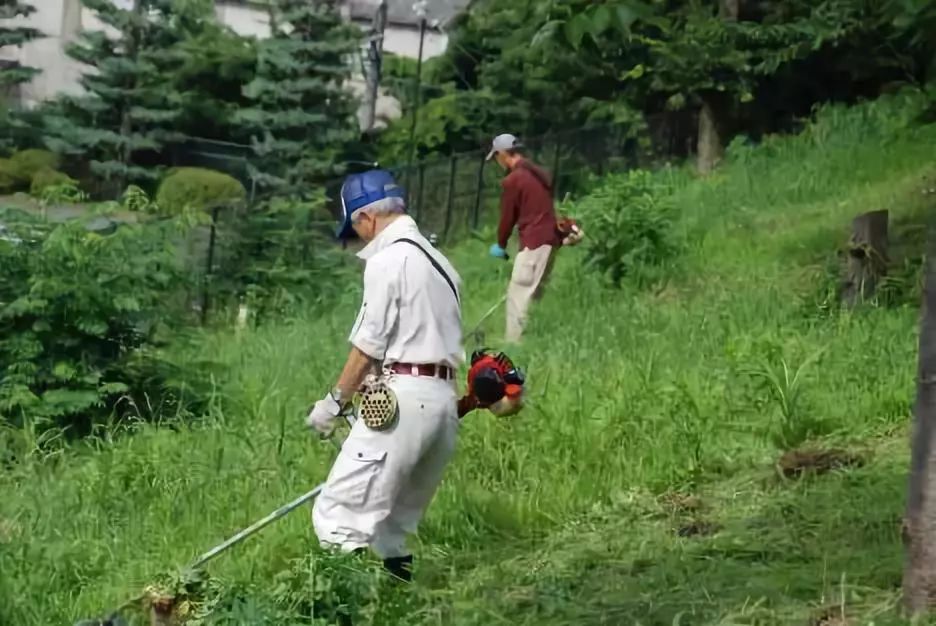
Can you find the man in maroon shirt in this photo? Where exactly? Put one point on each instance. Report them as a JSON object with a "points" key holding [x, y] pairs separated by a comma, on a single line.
{"points": [[527, 203]]}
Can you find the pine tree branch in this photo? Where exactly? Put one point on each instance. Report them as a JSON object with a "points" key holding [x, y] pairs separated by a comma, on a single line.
{"points": [[10, 9]]}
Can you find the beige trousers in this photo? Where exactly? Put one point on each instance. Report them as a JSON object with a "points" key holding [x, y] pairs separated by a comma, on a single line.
{"points": [[382, 482], [531, 270]]}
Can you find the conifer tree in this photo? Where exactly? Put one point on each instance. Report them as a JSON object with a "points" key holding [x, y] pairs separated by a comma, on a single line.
{"points": [[11, 124], [303, 115], [11, 35], [129, 110]]}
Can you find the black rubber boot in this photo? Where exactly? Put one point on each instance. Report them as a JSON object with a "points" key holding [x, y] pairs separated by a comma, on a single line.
{"points": [[401, 567]]}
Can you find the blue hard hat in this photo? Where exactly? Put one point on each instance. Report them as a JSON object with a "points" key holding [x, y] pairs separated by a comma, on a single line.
{"points": [[362, 189]]}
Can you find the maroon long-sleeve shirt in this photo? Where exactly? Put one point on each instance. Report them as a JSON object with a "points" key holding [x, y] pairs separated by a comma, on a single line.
{"points": [[527, 203]]}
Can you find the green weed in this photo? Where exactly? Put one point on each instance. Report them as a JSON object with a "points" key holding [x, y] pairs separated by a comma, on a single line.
{"points": [[784, 385]]}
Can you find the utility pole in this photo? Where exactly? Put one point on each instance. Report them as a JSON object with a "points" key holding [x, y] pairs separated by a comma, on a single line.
{"points": [[374, 63], [420, 9], [71, 20]]}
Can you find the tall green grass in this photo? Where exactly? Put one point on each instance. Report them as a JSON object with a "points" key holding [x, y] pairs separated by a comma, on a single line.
{"points": [[552, 516]]}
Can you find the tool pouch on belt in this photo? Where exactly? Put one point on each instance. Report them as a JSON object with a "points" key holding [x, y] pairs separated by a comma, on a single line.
{"points": [[379, 408]]}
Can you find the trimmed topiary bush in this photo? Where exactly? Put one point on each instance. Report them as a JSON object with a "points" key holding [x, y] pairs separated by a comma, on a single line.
{"points": [[198, 188], [31, 162], [48, 177], [10, 179], [17, 172]]}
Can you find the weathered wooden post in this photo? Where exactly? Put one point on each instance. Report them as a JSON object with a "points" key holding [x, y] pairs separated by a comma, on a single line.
{"points": [[867, 257]]}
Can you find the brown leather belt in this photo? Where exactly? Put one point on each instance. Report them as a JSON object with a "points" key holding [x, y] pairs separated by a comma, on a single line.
{"points": [[431, 370]]}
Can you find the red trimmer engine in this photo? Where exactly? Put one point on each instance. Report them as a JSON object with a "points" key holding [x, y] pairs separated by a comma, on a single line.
{"points": [[570, 233], [494, 383]]}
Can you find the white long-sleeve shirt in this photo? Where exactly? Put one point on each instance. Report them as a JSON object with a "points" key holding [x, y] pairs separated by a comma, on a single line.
{"points": [[409, 313]]}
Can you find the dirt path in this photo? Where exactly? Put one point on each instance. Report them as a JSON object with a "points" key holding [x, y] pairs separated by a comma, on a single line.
{"points": [[59, 212]]}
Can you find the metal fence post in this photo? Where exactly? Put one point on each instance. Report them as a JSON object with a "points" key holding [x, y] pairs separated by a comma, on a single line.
{"points": [[406, 178], [421, 173], [209, 264], [477, 205], [557, 161], [450, 200]]}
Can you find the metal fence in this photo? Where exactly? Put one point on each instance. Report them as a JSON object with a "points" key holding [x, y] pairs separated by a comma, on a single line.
{"points": [[454, 195], [449, 197]]}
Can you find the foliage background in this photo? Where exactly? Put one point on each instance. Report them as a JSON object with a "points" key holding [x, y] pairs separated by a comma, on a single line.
{"points": [[534, 67]]}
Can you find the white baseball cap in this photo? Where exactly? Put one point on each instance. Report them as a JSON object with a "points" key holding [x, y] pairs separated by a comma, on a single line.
{"points": [[503, 142]]}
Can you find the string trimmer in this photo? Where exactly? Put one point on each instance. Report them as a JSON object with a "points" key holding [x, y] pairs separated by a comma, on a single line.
{"points": [[477, 334], [114, 619]]}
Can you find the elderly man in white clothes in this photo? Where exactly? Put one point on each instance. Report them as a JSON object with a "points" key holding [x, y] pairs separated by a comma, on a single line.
{"points": [[407, 334]]}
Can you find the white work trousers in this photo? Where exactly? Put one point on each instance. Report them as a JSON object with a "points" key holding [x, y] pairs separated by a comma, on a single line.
{"points": [[531, 270], [382, 482]]}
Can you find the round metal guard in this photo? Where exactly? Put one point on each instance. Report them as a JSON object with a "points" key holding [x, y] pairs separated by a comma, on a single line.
{"points": [[379, 408]]}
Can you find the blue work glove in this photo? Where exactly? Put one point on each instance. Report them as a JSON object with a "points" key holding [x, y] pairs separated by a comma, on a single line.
{"points": [[497, 252]]}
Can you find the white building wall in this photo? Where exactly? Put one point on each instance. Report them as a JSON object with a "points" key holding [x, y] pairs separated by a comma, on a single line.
{"points": [[405, 42], [55, 19], [244, 20]]}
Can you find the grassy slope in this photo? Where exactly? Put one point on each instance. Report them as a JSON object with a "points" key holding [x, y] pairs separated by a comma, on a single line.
{"points": [[554, 517]]}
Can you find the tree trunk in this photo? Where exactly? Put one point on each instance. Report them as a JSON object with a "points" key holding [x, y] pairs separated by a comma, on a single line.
{"points": [[709, 148], [711, 144], [867, 257], [730, 9], [919, 582]]}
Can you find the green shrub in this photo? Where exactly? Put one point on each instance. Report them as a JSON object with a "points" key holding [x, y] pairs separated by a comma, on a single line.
{"points": [[17, 172], [629, 227], [31, 162], [78, 311], [48, 177], [198, 188]]}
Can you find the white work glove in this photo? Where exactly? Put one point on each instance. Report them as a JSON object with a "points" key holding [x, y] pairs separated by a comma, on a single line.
{"points": [[323, 415]]}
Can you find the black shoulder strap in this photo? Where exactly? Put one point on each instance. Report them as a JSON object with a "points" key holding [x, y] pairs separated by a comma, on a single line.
{"points": [[435, 264]]}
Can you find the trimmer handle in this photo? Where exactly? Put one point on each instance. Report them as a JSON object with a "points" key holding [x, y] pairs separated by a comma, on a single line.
{"points": [[350, 418]]}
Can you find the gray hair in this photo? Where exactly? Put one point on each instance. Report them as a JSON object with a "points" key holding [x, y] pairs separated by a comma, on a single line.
{"points": [[385, 206]]}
